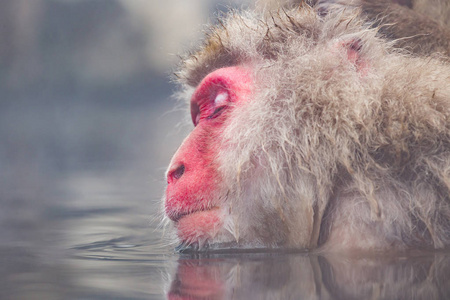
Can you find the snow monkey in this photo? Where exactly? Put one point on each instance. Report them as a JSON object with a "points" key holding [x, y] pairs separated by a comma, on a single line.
{"points": [[316, 128]]}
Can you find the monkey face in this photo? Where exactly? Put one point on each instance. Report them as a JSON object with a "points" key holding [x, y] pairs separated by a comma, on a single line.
{"points": [[195, 193], [302, 124]]}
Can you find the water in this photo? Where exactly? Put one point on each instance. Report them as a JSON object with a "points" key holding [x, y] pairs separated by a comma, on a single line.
{"points": [[83, 223]]}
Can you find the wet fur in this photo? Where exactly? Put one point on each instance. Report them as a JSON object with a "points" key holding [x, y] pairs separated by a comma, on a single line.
{"points": [[326, 155]]}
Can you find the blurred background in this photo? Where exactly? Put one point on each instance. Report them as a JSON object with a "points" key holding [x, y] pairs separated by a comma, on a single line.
{"points": [[87, 127]]}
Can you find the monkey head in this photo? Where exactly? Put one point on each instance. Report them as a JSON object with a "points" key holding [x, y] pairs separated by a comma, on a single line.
{"points": [[289, 118]]}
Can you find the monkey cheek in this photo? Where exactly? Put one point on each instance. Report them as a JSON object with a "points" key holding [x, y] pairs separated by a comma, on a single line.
{"points": [[199, 226]]}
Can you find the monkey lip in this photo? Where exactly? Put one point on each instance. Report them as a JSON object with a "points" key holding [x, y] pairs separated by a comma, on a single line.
{"points": [[175, 217], [200, 225]]}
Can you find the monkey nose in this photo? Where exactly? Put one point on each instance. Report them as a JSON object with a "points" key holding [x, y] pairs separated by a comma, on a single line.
{"points": [[175, 173]]}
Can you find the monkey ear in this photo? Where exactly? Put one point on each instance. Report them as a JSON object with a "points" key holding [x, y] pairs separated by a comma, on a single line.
{"points": [[353, 49]]}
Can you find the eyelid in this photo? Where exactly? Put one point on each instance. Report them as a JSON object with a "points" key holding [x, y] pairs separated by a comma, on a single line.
{"points": [[222, 97]]}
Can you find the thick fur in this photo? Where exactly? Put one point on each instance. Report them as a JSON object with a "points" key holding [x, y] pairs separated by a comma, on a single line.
{"points": [[419, 26], [330, 153]]}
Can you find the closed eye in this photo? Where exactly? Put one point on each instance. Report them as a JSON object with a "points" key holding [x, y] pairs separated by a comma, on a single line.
{"points": [[209, 101], [216, 112]]}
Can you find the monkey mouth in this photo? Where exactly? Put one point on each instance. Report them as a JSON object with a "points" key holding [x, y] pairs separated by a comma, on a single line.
{"points": [[175, 217]]}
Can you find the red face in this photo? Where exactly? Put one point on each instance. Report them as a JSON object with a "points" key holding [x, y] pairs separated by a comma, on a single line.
{"points": [[194, 193]]}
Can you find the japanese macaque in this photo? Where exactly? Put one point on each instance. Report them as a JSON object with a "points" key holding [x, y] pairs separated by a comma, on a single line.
{"points": [[316, 128]]}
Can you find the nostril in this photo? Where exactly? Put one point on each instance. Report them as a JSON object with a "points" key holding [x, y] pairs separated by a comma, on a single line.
{"points": [[176, 174]]}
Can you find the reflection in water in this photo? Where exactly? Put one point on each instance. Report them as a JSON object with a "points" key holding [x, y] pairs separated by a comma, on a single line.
{"points": [[303, 276]]}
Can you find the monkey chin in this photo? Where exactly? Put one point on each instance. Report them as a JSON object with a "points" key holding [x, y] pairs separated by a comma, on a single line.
{"points": [[197, 228]]}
